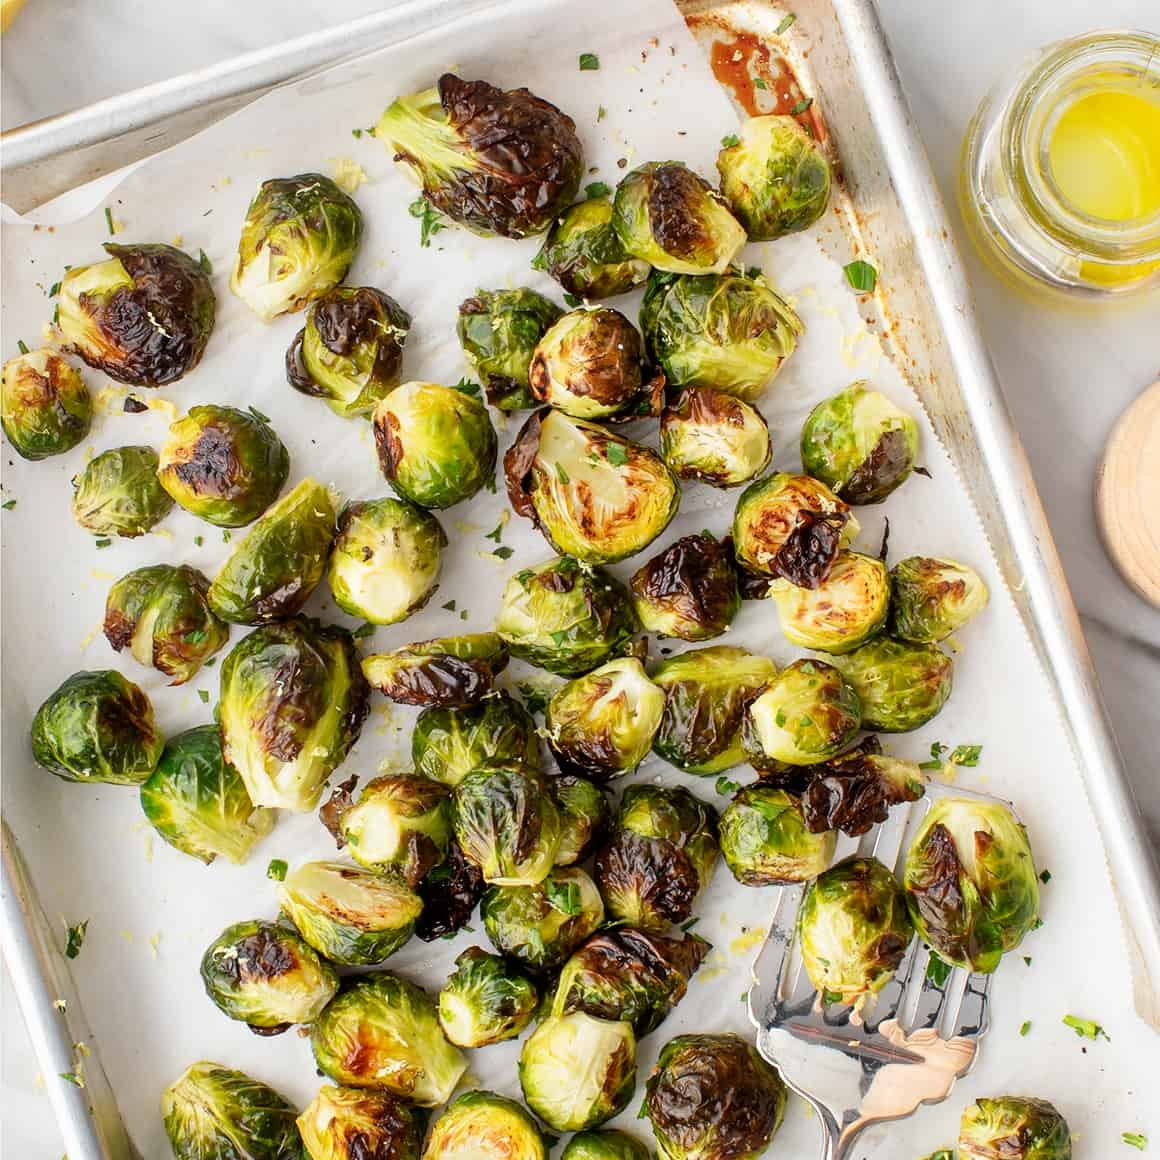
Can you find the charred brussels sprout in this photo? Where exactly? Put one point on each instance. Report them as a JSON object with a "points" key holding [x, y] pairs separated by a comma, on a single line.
{"points": [[584, 817], [584, 253], [198, 802], [161, 614], [713, 437], [118, 494], [860, 444], [215, 1111], [451, 672], [386, 559], [661, 856], [731, 332], [689, 590], [706, 693], [712, 1097], [298, 241], [97, 727], [351, 1124], [592, 494], [499, 330], [933, 598], [971, 882], [853, 930], [900, 686], [603, 724], [776, 178], [854, 791], [608, 1144], [496, 162], [436, 445], [483, 1126], [668, 216], [765, 840], [448, 744], [45, 407], [381, 1031], [143, 315], [485, 1001], [577, 1071], [293, 701], [590, 365], [1013, 1128], [450, 894]]}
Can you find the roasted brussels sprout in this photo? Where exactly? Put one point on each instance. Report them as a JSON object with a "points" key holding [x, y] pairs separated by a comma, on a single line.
{"points": [[714, 437], [607, 1144], [602, 725], [660, 857], [765, 840], [293, 701], [437, 446], [706, 693], [298, 241], [566, 617], [381, 1031], [356, 1124], [775, 177], [215, 1111], [483, 1126], [577, 1071], [198, 802], [507, 823], [448, 744], [933, 597], [855, 790], [584, 817], [853, 930], [689, 590], [590, 365], [671, 218], [731, 332], [162, 616], [584, 253], [270, 575], [451, 672], [143, 315], [712, 1097], [485, 1000], [45, 407], [860, 444], [900, 686], [540, 926], [118, 494], [971, 882], [496, 162], [97, 727], [224, 465], [450, 894], [1013, 1128]]}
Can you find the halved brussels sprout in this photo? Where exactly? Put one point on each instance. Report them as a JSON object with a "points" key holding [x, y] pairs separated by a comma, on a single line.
{"points": [[584, 253], [293, 701], [450, 672], [355, 1124], [855, 790], [775, 177], [605, 1144], [540, 926], [660, 857], [971, 882], [350, 351], [298, 241], [592, 494], [900, 686], [584, 817], [669, 216], [450, 894], [45, 407], [577, 1071], [216, 1111], [224, 465], [436, 445], [712, 1097], [602, 725], [860, 444], [118, 494], [448, 744], [933, 597], [483, 1126], [162, 616], [714, 437], [198, 802], [485, 1000], [566, 617], [853, 930], [1013, 1128], [381, 1031], [706, 693], [689, 590], [765, 839], [731, 332], [97, 727], [143, 315]]}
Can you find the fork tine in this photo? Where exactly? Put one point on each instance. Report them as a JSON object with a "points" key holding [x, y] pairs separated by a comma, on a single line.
{"points": [[888, 999], [931, 996], [775, 959], [972, 1015]]}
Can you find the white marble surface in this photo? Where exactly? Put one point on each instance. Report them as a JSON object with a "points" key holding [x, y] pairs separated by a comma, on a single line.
{"points": [[1067, 374]]}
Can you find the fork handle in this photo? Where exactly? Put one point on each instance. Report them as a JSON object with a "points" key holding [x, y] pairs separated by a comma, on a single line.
{"points": [[837, 1143]]}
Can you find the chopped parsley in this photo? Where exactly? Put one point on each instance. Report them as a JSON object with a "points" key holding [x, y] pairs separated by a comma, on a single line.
{"points": [[617, 455], [597, 189], [54, 290], [1135, 1140], [861, 276], [277, 870], [76, 1078], [966, 755], [688, 924], [801, 106], [449, 606], [503, 552], [363, 631], [536, 700], [727, 787], [758, 83], [571, 299], [74, 938], [21, 346], [8, 504], [938, 970], [204, 262], [561, 474], [1045, 876], [102, 542], [831, 997], [204, 695], [109, 221], [1025, 1028], [589, 62], [601, 113], [496, 534], [1027, 960], [563, 896], [198, 541], [786, 23], [467, 387], [728, 141], [1086, 1028], [226, 537], [430, 220]]}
